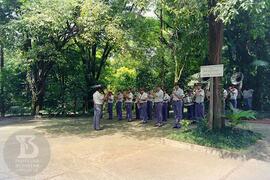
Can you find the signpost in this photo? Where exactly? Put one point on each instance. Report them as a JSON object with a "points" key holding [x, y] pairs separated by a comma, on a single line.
{"points": [[211, 71]]}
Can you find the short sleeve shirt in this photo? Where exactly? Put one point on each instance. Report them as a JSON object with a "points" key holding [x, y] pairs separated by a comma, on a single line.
{"points": [[177, 94], [110, 99], [98, 98], [199, 96], [129, 97], [159, 96], [234, 94]]}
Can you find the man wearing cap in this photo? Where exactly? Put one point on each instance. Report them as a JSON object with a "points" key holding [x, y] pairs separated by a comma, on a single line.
{"points": [[177, 98], [199, 102], [158, 99], [98, 99]]}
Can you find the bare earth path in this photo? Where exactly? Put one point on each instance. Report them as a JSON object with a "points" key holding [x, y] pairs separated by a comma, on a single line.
{"points": [[127, 151]]}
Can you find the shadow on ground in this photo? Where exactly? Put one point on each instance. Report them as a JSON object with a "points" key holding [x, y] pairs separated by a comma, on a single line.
{"points": [[83, 127]]}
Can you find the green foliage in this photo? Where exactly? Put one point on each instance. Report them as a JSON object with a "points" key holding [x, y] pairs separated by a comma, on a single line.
{"points": [[232, 139], [227, 10], [185, 125], [72, 44], [237, 116], [122, 79]]}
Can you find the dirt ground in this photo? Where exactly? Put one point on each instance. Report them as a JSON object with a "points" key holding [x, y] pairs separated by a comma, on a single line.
{"points": [[127, 151]]}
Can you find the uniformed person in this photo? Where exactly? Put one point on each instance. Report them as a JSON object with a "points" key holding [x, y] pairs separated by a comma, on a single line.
{"points": [[165, 106], [142, 101], [248, 96], [137, 105], [233, 96], [110, 100], [129, 101], [177, 98], [150, 101], [158, 99], [189, 104], [199, 102], [119, 104], [98, 99]]}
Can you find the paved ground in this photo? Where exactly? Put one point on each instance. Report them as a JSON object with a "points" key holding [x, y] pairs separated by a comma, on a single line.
{"points": [[131, 151]]}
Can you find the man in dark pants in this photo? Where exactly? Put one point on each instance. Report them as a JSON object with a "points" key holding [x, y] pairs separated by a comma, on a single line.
{"points": [[150, 101], [119, 104], [158, 95], [177, 98], [110, 99], [199, 102], [165, 106], [129, 101], [98, 99], [142, 101]]}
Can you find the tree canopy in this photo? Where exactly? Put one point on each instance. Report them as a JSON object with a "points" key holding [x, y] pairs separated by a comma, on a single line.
{"points": [[55, 50]]}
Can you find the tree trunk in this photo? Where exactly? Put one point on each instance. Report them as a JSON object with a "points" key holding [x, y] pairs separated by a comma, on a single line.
{"points": [[38, 97], [2, 96], [216, 29], [37, 81]]}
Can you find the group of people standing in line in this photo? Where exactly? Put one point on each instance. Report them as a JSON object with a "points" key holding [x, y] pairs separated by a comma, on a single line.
{"points": [[148, 104], [156, 103]]}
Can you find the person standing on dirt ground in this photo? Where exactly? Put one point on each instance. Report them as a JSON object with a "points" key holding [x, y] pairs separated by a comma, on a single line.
{"points": [[98, 99]]}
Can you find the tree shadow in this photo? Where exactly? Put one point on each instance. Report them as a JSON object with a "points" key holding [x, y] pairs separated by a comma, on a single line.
{"points": [[83, 128]]}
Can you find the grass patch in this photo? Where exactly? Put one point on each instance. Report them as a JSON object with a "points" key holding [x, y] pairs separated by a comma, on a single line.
{"points": [[233, 139]]}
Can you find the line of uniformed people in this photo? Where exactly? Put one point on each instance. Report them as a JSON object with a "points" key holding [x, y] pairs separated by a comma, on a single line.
{"points": [[154, 103]]}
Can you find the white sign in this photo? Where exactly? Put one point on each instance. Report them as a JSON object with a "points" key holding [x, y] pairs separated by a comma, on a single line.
{"points": [[212, 71]]}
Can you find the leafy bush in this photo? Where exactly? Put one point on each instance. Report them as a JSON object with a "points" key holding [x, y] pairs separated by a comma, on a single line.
{"points": [[185, 124], [237, 116], [233, 139]]}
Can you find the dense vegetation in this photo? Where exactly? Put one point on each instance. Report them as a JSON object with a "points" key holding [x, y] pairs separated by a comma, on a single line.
{"points": [[53, 51]]}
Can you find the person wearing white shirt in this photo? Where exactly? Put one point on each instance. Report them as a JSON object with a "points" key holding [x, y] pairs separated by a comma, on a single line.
{"points": [[158, 99], [248, 96], [199, 102], [189, 104], [143, 105], [137, 105], [119, 104], [110, 99], [165, 105], [177, 98], [128, 101], [98, 99], [150, 101], [233, 96], [225, 96]]}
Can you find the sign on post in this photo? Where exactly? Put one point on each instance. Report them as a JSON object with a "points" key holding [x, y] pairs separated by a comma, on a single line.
{"points": [[212, 71]]}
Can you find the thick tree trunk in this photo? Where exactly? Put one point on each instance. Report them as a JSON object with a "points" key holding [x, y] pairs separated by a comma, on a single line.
{"points": [[216, 29], [37, 81], [2, 100], [38, 97]]}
